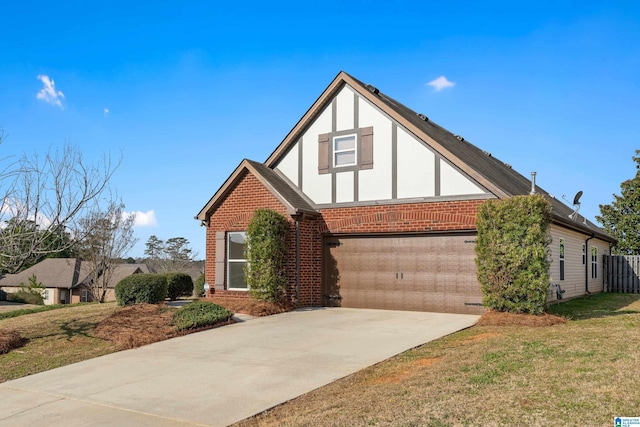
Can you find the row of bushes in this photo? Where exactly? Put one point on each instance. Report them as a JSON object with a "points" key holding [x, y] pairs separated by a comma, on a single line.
{"points": [[152, 288]]}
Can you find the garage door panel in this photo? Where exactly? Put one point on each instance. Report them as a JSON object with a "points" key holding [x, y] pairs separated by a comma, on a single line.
{"points": [[419, 273]]}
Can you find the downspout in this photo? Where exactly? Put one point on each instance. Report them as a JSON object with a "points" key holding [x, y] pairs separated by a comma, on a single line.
{"points": [[297, 217], [586, 264]]}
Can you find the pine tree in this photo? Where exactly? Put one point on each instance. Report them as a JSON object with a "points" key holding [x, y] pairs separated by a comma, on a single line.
{"points": [[621, 218]]}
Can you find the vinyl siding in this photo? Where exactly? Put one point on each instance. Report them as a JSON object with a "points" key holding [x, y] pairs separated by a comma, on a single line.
{"points": [[574, 270]]}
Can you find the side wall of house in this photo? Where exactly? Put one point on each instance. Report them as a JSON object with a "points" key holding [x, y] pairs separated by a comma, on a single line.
{"points": [[578, 263], [52, 294]]}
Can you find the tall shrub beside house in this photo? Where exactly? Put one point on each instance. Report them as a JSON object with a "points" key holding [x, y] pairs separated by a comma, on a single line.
{"points": [[267, 255], [512, 257]]}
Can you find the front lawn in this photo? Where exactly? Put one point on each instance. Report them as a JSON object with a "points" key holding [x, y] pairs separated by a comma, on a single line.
{"points": [[71, 334], [582, 372]]}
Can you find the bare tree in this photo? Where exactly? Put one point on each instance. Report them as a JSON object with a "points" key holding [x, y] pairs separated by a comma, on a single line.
{"points": [[174, 255], [50, 194], [106, 237]]}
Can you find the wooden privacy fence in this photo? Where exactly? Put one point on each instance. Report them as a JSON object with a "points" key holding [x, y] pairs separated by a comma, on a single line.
{"points": [[621, 273]]}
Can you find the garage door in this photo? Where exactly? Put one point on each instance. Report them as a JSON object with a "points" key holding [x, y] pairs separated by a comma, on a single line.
{"points": [[417, 273]]}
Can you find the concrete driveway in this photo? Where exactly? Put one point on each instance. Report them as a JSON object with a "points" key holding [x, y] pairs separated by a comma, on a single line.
{"points": [[220, 376]]}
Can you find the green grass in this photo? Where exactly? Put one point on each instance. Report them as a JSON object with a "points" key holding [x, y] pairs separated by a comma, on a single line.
{"points": [[583, 372], [23, 311], [57, 337]]}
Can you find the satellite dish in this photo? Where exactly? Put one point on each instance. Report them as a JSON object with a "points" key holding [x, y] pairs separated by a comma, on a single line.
{"points": [[576, 205], [576, 199]]}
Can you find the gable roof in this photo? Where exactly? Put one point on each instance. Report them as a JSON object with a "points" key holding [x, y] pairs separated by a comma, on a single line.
{"points": [[276, 183], [120, 271], [51, 272], [67, 273], [496, 176]]}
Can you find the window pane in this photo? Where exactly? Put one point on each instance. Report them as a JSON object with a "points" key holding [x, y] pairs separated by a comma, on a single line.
{"points": [[236, 245], [236, 275], [345, 158], [344, 143]]}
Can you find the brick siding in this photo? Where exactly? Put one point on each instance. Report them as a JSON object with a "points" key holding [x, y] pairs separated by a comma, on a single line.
{"points": [[234, 212]]}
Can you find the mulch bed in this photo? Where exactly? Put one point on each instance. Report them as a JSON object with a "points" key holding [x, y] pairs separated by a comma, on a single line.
{"points": [[137, 325], [10, 340], [495, 318], [143, 324], [250, 306]]}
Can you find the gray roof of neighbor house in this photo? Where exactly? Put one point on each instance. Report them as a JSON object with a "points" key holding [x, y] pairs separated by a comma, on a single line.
{"points": [[120, 271], [51, 272], [66, 273], [498, 177]]}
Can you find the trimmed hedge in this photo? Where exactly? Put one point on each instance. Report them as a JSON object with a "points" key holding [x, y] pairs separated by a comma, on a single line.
{"points": [[178, 284], [141, 288], [512, 254], [199, 314]]}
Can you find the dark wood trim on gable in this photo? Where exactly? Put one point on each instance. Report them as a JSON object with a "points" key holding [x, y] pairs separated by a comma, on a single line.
{"points": [[300, 158], [394, 160]]}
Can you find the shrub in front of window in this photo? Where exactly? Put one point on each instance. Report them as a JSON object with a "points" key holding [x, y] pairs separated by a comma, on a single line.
{"points": [[512, 256], [178, 284], [199, 314], [141, 289], [266, 245]]}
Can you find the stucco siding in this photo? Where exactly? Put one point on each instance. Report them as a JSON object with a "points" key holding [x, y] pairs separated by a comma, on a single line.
{"points": [[344, 187], [375, 184], [453, 183], [345, 109], [289, 164], [317, 187], [416, 177]]}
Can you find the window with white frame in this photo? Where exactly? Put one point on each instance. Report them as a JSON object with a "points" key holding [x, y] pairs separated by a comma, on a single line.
{"points": [[584, 254], [594, 263], [236, 260], [84, 295], [344, 150], [561, 259]]}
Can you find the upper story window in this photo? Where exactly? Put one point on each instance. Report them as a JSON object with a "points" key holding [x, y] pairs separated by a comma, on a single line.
{"points": [[344, 150]]}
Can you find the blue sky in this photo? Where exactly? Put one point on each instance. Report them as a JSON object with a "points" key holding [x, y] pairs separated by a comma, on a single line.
{"points": [[186, 90]]}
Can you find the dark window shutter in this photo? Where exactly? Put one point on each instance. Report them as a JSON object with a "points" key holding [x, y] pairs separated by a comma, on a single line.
{"points": [[220, 260], [366, 148], [323, 153]]}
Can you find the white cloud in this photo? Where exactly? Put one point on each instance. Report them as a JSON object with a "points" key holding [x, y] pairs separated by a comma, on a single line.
{"points": [[106, 112], [48, 93], [440, 83], [143, 219]]}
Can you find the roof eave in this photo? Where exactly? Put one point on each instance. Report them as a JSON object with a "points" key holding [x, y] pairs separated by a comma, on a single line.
{"points": [[230, 183]]}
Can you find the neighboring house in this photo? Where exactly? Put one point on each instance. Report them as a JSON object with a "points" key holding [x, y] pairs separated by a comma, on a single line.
{"points": [[66, 279], [382, 205]]}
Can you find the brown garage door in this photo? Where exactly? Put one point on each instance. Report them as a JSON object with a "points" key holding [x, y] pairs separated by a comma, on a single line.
{"points": [[415, 272]]}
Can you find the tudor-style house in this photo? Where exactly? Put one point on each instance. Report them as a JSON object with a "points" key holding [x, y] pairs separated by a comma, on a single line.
{"points": [[382, 205]]}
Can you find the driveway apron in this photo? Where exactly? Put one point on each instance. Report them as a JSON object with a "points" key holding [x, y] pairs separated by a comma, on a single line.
{"points": [[220, 376]]}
